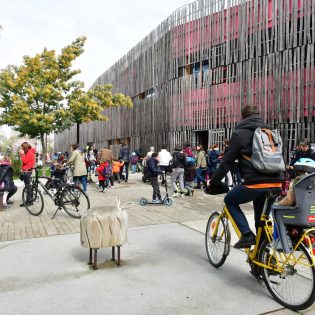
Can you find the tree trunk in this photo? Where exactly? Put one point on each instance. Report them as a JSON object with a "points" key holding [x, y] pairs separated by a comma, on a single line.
{"points": [[78, 133], [44, 150]]}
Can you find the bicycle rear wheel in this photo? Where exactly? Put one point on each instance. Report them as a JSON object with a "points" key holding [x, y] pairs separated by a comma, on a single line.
{"points": [[217, 240], [74, 201], [35, 204], [293, 285]]}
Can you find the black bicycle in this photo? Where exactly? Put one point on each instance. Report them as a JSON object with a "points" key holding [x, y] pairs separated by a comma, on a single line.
{"points": [[68, 197]]}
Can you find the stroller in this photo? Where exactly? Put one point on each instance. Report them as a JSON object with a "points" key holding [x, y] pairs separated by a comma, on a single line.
{"points": [[165, 201]]}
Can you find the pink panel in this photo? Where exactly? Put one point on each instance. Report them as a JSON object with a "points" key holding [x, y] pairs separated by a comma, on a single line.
{"points": [[213, 28]]}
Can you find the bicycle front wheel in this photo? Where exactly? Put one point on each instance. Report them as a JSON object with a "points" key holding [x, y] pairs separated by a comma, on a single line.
{"points": [[74, 201], [291, 277], [35, 203], [217, 240]]}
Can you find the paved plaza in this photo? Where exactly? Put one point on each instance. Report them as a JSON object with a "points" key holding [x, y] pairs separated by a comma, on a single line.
{"points": [[16, 223], [164, 266]]}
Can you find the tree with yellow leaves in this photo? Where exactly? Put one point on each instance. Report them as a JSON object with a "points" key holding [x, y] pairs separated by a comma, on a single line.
{"points": [[41, 97]]}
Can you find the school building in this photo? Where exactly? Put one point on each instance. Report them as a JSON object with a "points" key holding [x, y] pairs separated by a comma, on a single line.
{"points": [[190, 77]]}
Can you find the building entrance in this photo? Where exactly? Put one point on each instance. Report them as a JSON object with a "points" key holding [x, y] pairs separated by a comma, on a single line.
{"points": [[200, 137]]}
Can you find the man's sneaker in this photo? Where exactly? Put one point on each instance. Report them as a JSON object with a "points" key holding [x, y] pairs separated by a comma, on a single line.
{"points": [[246, 241], [176, 194], [27, 203], [156, 201]]}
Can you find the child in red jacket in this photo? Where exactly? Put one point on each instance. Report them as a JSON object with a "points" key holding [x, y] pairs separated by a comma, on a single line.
{"points": [[101, 178]]}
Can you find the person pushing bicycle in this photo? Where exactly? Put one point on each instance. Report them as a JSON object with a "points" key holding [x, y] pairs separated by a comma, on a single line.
{"points": [[255, 183]]}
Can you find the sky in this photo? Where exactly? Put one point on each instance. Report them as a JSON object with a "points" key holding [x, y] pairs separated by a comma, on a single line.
{"points": [[112, 28]]}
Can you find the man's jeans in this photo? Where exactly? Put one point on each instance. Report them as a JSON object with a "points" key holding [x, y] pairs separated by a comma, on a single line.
{"points": [[200, 175], [156, 188], [82, 179], [178, 174], [126, 167], [133, 168], [241, 194], [28, 185]]}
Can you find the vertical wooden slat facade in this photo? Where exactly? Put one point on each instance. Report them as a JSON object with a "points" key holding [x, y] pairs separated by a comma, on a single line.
{"points": [[201, 65]]}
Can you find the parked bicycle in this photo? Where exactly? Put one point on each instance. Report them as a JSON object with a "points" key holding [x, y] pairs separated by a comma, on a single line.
{"points": [[68, 197], [287, 271]]}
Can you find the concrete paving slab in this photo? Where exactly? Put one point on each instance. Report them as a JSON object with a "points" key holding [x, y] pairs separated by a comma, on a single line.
{"points": [[164, 271]]}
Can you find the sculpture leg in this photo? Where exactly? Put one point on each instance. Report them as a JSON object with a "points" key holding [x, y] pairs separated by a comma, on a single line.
{"points": [[90, 259], [95, 259], [113, 253], [118, 262]]}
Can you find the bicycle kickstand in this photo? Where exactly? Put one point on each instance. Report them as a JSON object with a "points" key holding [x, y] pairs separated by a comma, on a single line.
{"points": [[55, 213]]}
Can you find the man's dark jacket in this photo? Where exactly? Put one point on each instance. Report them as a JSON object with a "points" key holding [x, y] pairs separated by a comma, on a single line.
{"points": [[124, 154], [153, 168], [179, 160], [241, 143]]}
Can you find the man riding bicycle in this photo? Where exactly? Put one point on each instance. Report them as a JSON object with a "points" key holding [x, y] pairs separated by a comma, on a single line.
{"points": [[255, 184]]}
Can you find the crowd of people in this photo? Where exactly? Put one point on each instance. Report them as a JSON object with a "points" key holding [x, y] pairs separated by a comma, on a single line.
{"points": [[188, 167], [186, 164]]}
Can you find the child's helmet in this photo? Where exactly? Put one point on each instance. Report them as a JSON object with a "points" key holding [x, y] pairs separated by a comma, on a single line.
{"points": [[304, 165]]}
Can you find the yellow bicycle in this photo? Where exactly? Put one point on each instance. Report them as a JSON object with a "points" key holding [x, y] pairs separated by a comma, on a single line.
{"points": [[288, 272]]}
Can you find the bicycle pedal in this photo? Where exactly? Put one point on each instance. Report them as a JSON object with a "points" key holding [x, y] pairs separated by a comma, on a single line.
{"points": [[257, 276]]}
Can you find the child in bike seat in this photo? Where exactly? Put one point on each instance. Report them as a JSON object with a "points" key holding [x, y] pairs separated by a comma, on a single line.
{"points": [[57, 176], [301, 168]]}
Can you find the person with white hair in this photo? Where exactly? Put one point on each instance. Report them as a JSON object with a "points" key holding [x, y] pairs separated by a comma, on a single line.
{"points": [[149, 154]]}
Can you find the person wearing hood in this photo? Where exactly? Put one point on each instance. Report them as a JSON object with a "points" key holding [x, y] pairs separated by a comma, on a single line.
{"points": [[153, 172], [255, 184], [28, 159]]}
